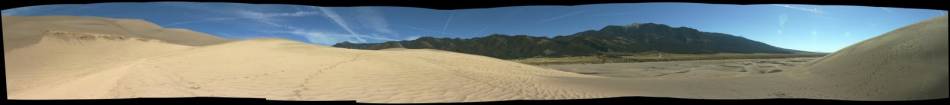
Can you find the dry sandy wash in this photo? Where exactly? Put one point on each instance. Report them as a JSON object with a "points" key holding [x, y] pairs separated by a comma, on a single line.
{"points": [[696, 69], [64, 57]]}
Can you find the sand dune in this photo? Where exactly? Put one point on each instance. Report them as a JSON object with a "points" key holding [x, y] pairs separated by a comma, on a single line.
{"points": [[62, 56], [288, 70], [22, 31], [907, 64]]}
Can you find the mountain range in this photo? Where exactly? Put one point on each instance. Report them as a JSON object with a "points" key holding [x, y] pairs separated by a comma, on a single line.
{"points": [[610, 40]]}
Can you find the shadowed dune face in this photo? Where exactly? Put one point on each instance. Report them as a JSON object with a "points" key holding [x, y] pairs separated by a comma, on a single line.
{"points": [[83, 60]]}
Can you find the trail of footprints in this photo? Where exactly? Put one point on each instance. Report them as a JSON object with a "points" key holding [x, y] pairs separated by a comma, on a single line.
{"points": [[303, 86]]}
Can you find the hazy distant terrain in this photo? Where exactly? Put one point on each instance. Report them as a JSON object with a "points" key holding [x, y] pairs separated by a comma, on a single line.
{"points": [[69, 57], [610, 40]]}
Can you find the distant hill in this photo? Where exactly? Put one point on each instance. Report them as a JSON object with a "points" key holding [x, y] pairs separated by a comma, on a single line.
{"points": [[613, 39]]}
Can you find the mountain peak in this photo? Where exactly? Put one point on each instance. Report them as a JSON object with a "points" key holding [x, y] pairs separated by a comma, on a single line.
{"points": [[648, 24]]}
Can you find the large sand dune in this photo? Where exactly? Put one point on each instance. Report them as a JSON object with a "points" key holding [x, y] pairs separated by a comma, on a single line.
{"points": [[907, 64], [21, 31]]}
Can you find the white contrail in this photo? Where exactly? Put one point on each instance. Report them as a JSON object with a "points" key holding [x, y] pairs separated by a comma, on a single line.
{"points": [[339, 21], [560, 16], [447, 21], [812, 10], [375, 20]]}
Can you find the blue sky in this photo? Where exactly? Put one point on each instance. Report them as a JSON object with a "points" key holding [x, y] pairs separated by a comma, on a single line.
{"points": [[819, 28]]}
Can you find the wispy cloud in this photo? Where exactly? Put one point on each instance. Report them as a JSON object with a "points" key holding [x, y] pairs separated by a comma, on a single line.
{"points": [[428, 30], [203, 7], [17, 11], [888, 10], [482, 30], [203, 20], [378, 37], [271, 18], [365, 18], [47, 9], [573, 13], [800, 8], [340, 22], [369, 18], [291, 14], [330, 38], [782, 19], [411, 38], [604, 14], [274, 19], [261, 17], [196, 6], [813, 37], [315, 36], [375, 20], [814, 33], [447, 21]]}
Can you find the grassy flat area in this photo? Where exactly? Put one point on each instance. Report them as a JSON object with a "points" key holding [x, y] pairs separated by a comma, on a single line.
{"points": [[655, 57]]}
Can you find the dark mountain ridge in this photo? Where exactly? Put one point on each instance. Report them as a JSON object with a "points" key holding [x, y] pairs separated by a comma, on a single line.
{"points": [[612, 39]]}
